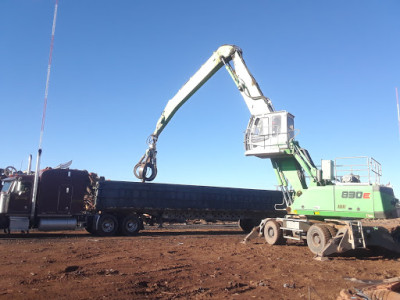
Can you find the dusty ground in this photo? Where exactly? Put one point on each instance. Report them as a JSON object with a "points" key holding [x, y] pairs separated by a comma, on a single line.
{"points": [[177, 262]]}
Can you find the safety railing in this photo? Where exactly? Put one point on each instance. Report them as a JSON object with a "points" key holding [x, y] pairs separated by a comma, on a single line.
{"points": [[358, 169], [264, 141]]}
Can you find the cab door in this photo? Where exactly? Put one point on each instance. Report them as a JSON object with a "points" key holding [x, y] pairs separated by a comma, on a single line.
{"points": [[20, 199]]}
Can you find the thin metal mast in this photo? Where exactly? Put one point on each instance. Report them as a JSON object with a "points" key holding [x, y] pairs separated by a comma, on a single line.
{"points": [[398, 110], [35, 184]]}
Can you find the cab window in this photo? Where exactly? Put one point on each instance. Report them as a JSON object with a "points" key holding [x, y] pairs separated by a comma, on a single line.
{"points": [[6, 186], [276, 125], [290, 127], [24, 187], [261, 127]]}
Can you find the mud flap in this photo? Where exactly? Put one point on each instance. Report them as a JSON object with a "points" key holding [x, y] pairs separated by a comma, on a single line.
{"points": [[96, 222]]}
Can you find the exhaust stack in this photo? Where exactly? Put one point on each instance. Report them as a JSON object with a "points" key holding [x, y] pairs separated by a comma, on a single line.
{"points": [[35, 185], [29, 164]]}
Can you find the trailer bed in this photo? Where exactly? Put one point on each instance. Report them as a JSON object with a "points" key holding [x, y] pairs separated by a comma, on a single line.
{"points": [[176, 201]]}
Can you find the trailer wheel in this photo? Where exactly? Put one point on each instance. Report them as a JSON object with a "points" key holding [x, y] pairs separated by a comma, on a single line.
{"points": [[130, 225], [107, 225], [273, 233], [317, 238], [247, 224]]}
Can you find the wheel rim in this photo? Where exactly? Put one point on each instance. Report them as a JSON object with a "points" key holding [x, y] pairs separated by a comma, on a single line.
{"points": [[108, 225], [131, 226], [271, 232], [316, 239]]}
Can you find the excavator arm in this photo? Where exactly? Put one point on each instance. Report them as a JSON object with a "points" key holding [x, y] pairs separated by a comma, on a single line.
{"points": [[257, 103]]}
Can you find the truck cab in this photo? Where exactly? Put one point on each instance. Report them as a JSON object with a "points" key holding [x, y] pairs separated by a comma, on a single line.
{"points": [[59, 200], [16, 195]]}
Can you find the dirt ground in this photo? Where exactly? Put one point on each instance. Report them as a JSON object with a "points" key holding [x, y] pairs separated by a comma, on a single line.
{"points": [[176, 262]]}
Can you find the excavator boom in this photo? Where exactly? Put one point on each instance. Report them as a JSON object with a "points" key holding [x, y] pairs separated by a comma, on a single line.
{"points": [[257, 103]]}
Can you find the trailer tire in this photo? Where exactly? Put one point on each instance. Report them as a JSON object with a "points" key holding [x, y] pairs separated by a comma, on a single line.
{"points": [[273, 234], [107, 225], [317, 238], [246, 224], [130, 225]]}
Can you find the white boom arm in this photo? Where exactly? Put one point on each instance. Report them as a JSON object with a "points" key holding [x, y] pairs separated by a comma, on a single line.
{"points": [[257, 103]]}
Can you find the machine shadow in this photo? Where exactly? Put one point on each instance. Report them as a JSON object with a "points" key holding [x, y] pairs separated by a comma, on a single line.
{"points": [[146, 233], [192, 233]]}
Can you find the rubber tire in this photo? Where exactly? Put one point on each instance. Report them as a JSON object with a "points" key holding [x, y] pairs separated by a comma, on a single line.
{"points": [[273, 234], [130, 225], [90, 226], [90, 230], [332, 230], [317, 238], [246, 225], [396, 235], [107, 225]]}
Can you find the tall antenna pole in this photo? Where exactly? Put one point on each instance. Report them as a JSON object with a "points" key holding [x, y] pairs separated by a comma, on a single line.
{"points": [[398, 109], [35, 183]]}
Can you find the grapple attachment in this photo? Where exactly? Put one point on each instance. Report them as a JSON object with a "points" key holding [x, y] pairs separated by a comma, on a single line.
{"points": [[146, 168]]}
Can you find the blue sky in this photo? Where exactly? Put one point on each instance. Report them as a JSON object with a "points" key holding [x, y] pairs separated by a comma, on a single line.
{"points": [[334, 65]]}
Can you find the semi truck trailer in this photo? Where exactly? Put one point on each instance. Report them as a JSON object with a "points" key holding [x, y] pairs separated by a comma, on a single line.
{"points": [[68, 199]]}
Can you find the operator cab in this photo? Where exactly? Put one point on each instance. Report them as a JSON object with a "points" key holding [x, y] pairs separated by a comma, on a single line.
{"points": [[269, 135]]}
